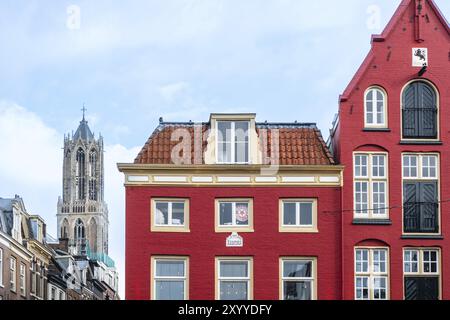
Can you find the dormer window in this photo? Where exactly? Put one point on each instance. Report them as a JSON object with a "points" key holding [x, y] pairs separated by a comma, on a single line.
{"points": [[233, 142]]}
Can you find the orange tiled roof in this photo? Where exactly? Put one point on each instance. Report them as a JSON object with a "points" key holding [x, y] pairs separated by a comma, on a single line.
{"points": [[300, 144]]}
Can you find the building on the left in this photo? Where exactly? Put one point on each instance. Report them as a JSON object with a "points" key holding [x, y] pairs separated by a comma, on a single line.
{"points": [[34, 265]]}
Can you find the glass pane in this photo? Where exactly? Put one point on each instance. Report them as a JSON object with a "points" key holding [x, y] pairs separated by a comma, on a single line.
{"points": [[178, 213], [169, 290], [297, 290], [297, 269], [306, 214], [241, 155], [224, 131], [226, 209], [233, 290], [170, 268], [241, 129], [224, 152], [289, 214], [233, 269], [162, 213], [242, 214]]}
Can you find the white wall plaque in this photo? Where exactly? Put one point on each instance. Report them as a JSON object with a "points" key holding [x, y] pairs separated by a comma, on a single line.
{"points": [[235, 241], [419, 57]]}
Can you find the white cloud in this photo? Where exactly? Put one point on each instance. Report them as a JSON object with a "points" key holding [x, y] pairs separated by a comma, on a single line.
{"points": [[171, 91], [31, 166]]}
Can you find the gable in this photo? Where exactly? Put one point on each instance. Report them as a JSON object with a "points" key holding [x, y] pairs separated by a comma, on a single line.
{"points": [[412, 26]]}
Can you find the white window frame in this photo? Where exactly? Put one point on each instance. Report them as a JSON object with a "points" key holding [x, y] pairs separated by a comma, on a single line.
{"points": [[233, 142], [13, 273], [374, 90], [234, 227], [306, 228], [421, 178], [421, 262], [370, 275], [420, 166], [170, 227], [370, 180], [312, 279], [248, 278], [22, 279], [155, 277]]}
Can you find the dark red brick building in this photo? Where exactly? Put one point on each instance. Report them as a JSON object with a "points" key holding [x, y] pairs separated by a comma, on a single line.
{"points": [[392, 136], [235, 209]]}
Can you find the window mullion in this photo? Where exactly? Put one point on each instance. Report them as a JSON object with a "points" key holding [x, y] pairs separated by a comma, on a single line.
{"points": [[233, 142], [233, 213]]}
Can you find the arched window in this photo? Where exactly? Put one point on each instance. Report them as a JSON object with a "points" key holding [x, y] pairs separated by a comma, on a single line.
{"points": [[64, 230], [81, 171], [419, 111], [93, 234], [375, 108], [79, 230], [93, 163], [93, 175]]}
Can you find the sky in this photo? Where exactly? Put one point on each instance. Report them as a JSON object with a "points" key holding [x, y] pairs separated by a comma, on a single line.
{"points": [[134, 61]]}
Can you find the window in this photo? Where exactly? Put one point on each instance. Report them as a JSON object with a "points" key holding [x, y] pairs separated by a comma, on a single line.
{"points": [[12, 273], [233, 142], [298, 215], [370, 186], [421, 271], [170, 215], [234, 279], [170, 278], [420, 193], [234, 215], [53, 294], [375, 103], [1, 267], [16, 231], [419, 111], [371, 274], [298, 278], [22, 280]]}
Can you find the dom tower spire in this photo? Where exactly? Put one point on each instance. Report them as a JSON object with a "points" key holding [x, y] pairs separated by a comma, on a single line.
{"points": [[82, 213]]}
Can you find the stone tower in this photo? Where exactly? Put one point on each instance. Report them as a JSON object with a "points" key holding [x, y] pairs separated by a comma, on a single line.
{"points": [[82, 213]]}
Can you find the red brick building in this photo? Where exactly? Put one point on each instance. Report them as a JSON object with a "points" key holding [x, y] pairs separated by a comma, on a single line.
{"points": [[392, 136], [212, 220], [235, 209]]}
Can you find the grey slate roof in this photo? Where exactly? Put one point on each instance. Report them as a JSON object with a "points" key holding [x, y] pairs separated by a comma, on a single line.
{"points": [[83, 132], [6, 215]]}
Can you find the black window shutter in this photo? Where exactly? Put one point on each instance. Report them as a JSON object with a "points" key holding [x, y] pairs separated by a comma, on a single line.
{"points": [[419, 111], [410, 119], [429, 207], [421, 288], [411, 288], [411, 207]]}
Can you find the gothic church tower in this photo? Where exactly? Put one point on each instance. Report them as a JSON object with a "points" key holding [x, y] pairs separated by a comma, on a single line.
{"points": [[82, 213]]}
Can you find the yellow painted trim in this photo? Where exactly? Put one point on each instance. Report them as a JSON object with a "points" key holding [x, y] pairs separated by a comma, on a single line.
{"points": [[155, 258], [296, 229], [314, 273], [233, 258], [230, 229], [174, 229]]}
